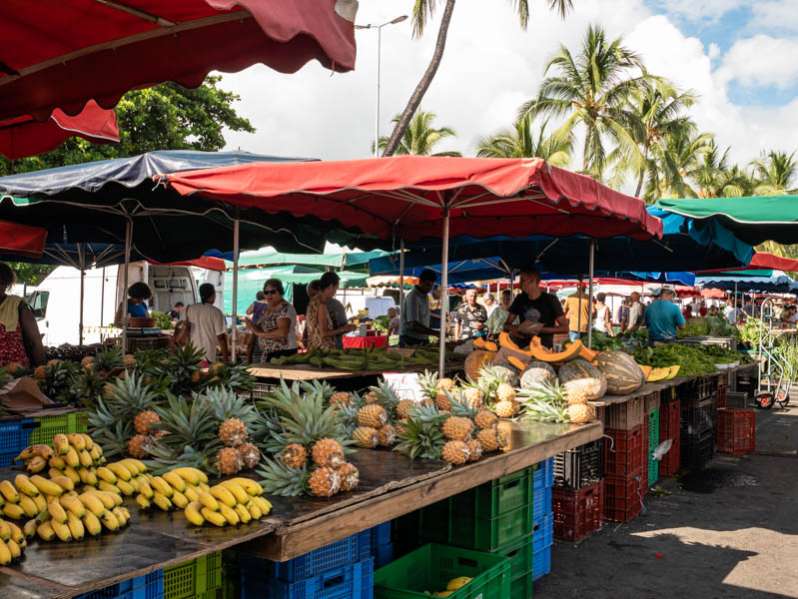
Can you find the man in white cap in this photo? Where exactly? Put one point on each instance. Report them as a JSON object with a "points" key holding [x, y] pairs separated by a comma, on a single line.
{"points": [[663, 317]]}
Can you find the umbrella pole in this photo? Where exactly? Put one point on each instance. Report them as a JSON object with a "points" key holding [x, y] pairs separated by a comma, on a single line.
{"points": [[444, 293], [590, 267], [102, 305], [125, 278], [401, 275], [236, 242], [82, 262], [579, 304]]}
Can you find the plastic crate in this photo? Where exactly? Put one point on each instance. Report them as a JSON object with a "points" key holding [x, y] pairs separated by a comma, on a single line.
{"points": [[543, 474], [193, 578], [381, 534], [541, 504], [697, 452], [543, 533], [46, 427], [653, 442], [434, 523], [348, 551], [578, 467], [625, 416], [488, 534], [382, 554], [652, 402], [521, 587], [624, 451], [14, 437], [722, 396], [495, 498], [430, 567], [541, 563], [697, 418], [520, 556], [149, 586], [352, 581], [670, 428], [578, 512], [736, 431], [623, 497]]}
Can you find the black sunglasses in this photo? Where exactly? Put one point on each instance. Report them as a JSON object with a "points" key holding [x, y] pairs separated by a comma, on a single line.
{"points": [[269, 291]]}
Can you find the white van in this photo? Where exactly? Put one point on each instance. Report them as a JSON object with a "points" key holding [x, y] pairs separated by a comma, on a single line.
{"points": [[56, 301]]}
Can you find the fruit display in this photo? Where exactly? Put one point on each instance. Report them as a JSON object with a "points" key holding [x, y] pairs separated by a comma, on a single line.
{"points": [[623, 374], [455, 584], [12, 542], [372, 359], [74, 456], [71, 516], [174, 489], [231, 502], [371, 418], [552, 402]]}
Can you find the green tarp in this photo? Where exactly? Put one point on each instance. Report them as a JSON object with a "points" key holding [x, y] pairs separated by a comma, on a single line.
{"points": [[753, 219], [349, 260]]}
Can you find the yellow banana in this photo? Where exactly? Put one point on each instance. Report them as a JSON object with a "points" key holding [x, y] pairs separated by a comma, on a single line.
{"points": [[135, 466], [14, 548], [72, 474], [125, 488], [145, 489], [243, 513], [143, 502], [229, 514], [103, 473], [191, 475], [57, 462], [9, 491], [29, 530], [254, 510], [64, 482], [109, 520], [23, 483], [13, 511], [122, 515], [77, 441], [41, 502], [61, 444], [208, 500], [5, 530], [192, 513], [87, 440], [57, 511], [61, 530], [159, 485], [45, 531], [72, 458], [179, 500], [134, 483], [5, 555], [76, 527], [176, 482], [92, 524], [72, 503], [214, 518], [25, 454], [120, 470], [88, 476], [106, 498], [162, 501], [223, 495], [116, 497], [16, 533], [237, 490], [28, 506], [96, 453], [92, 503], [108, 487], [191, 493], [46, 486], [36, 464], [250, 486], [264, 504], [53, 473]]}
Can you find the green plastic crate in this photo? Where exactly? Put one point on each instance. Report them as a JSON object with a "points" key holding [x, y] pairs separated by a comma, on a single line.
{"points": [[520, 556], [521, 587], [496, 497], [653, 442], [488, 534], [48, 426], [431, 567], [194, 578]]}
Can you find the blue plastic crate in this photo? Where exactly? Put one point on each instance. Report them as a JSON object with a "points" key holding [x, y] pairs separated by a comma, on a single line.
{"points": [[14, 437], [383, 554], [381, 534], [541, 504], [149, 586], [352, 581], [543, 477], [346, 552], [543, 533], [541, 563]]}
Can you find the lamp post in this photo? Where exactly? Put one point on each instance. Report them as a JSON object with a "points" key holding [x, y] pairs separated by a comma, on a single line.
{"points": [[379, 27]]}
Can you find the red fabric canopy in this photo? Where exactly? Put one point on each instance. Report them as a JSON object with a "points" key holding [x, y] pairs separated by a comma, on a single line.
{"points": [[25, 136], [206, 262], [22, 239], [713, 294], [766, 260], [61, 53], [408, 196]]}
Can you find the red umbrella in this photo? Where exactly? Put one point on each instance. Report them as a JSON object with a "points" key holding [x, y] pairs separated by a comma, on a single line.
{"points": [[763, 260], [61, 53], [413, 197], [25, 136], [22, 239], [206, 262]]}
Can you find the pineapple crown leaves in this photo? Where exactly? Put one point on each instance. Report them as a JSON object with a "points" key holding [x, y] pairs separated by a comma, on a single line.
{"points": [[107, 360], [231, 376], [165, 458], [462, 408], [544, 402], [428, 380], [130, 396], [110, 433], [279, 479], [322, 388], [226, 403], [386, 395], [188, 423], [61, 382], [420, 439]]}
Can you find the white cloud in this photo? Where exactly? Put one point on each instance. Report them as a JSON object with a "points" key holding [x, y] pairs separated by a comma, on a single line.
{"points": [[761, 60], [778, 15], [700, 10]]}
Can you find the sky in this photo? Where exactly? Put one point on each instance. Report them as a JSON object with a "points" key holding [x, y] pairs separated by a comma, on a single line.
{"points": [[737, 55]]}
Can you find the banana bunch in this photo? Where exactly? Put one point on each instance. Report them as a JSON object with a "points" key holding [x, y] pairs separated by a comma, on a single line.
{"points": [[173, 489], [12, 542], [27, 497], [69, 516], [231, 502], [123, 477], [75, 456], [35, 457]]}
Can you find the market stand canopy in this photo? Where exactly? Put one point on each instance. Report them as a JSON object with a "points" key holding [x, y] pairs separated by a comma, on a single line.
{"points": [[24, 241], [753, 219], [345, 260], [750, 280], [62, 53], [409, 196], [25, 136]]}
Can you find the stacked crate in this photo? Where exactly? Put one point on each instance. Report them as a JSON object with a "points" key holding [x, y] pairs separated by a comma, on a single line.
{"points": [[670, 428], [14, 437], [698, 413], [735, 431], [149, 586], [624, 459], [46, 427], [344, 569], [578, 494], [197, 578], [652, 438], [542, 517], [381, 544]]}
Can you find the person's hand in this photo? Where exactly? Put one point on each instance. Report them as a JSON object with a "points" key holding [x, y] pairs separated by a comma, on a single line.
{"points": [[529, 328], [250, 325], [478, 326], [349, 328]]}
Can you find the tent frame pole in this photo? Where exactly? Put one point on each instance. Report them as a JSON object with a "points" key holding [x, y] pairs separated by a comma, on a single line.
{"points": [[234, 331], [444, 293], [401, 275], [590, 267], [126, 279], [82, 262]]}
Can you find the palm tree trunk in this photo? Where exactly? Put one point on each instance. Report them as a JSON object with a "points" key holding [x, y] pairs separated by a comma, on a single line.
{"points": [[423, 85]]}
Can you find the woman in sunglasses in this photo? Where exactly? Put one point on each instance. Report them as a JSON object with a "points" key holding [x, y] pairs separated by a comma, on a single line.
{"points": [[275, 328]]}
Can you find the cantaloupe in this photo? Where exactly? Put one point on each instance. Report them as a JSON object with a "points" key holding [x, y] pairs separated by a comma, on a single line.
{"points": [[658, 374], [624, 375]]}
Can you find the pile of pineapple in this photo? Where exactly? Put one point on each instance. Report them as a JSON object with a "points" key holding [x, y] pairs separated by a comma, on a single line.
{"points": [[371, 418]]}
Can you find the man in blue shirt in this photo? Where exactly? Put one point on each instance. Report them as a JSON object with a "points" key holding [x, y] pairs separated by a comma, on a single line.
{"points": [[663, 317]]}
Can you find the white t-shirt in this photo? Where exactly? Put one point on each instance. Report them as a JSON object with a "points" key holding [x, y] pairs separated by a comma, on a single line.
{"points": [[207, 323]]}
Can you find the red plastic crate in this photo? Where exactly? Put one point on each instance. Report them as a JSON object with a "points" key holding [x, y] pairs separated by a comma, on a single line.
{"points": [[578, 512], [624, 452], [623, 497], [721, 397], [735, 431], [669, 428]]}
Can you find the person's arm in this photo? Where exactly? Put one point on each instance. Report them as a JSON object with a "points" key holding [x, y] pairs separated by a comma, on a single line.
{"points": [[680, 322], [279, 332], [251, 346], [251, 308], [31, 336], [221, 335]]}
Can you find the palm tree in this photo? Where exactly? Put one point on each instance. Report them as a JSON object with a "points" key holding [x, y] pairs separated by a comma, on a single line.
{"points": [[716, 178], [774, 172], [422, 11], [678, 164], [420, 138], [522, 142], [592, 90]]}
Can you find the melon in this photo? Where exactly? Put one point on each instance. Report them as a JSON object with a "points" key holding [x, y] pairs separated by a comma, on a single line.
{"points": [[475, 361], [624, 375], [592, 381], [658, 374], [537, 373]]}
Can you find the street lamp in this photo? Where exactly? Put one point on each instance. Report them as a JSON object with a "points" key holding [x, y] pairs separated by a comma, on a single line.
{"points": [[379, 27]]}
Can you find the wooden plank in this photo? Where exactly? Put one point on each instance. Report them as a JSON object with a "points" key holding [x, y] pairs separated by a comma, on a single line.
{"points": [[614, 400], [530, 444], [16, 585]]}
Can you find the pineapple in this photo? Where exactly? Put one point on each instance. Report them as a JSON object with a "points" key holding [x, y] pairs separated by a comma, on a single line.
{"points": [[366, 437], [249, 454], [107, 361], [349, 475], [129, 361], [404, 407], [505, 409], [59, 381], [233, 412], [373, 415], [145, 420], [445, 384], [340, 398], [457, 428], [40, 373], [371, 397], [324, 482], [581, 413], [87, 363], [505, 392], [545, 402], [280, 479], [384, 395], [473, 396], [233, 432], [485, 419], [183, 367], [387, 435], [228, 461], [294, 455], [420, 435], [137, 446], [328, 452], [474, 450], [491, 439], [443, 401], [455, 452]]}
